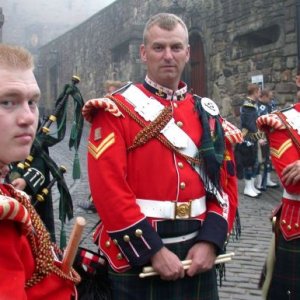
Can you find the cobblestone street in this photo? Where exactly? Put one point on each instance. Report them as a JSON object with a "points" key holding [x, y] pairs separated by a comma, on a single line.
{"points": [[242, 273]]}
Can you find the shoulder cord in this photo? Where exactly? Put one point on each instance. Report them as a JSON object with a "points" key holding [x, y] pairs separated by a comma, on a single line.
{"points": [[293, 136], [153, 130], [41, 246]]}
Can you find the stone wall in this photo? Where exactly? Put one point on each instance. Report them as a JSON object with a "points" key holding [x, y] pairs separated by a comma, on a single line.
{"points": [[1, 23], [241, 39]]}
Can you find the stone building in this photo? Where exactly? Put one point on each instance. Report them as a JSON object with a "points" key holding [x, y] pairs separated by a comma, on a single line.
{"points": [[232, 43]]}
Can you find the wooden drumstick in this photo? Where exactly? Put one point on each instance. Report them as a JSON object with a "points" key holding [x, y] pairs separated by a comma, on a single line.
{"points": [[73, 244], [149, 271]]}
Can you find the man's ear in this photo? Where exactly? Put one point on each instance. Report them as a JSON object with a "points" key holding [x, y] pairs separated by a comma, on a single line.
{"points": [[187, 54], [143, 54]]}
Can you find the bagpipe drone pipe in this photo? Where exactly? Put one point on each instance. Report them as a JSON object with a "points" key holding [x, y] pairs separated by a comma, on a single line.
{"points": [[39, 162]]}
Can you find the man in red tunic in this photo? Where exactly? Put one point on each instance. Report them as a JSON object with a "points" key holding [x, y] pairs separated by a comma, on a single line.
{"points": [[28, 268], [283, 131], [161, 174]]}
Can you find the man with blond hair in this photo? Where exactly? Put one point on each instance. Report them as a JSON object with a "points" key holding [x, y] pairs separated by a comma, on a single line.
{"points": [[28, 268]]}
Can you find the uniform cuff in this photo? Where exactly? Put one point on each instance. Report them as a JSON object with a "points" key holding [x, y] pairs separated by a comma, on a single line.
{"points": [[214, 230], [138, 242]]}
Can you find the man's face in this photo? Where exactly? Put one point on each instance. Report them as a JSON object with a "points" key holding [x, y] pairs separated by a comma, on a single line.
{"points": [[256, 95], [19, 96], [165, 54]]}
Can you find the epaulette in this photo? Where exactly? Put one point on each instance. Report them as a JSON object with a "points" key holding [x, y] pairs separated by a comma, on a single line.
{"points": [[269, 120], [232, 133], [91, 106], [11, 209], [249, 103]]}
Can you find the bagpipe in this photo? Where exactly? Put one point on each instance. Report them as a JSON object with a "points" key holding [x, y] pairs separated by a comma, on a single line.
{"points": [[39, 151], [59, 115]]}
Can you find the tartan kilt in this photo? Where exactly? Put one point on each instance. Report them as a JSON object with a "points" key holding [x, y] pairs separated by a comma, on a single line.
{"points": [[285, 282], [128, 285]]}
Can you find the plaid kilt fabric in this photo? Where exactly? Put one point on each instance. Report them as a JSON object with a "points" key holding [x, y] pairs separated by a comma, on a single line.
{"points": [[128, 285], [285, 284], [92, 268]]}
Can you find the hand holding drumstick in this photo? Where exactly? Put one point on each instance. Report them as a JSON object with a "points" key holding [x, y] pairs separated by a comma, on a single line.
{"points": [[149, 271]]}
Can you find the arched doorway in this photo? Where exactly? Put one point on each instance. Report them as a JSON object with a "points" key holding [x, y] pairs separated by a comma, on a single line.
{"points": [[194, 73]]}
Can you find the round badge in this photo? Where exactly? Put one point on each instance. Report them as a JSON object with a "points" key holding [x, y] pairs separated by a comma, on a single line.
{"points": [[210, 106]]}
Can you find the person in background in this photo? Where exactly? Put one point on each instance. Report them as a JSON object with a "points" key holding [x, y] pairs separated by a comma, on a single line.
{"points": [[263, 175], [248, 149], [283, 274], [28, 267], [111, 86], [162, 175]]}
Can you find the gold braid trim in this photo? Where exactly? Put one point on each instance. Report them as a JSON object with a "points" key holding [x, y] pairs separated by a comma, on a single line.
{"points": [[293, 136], [41, 246], [153, 129], [144, 135]]}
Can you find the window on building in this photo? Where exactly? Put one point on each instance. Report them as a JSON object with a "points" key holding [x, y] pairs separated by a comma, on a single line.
{"points": [[251, 42]]}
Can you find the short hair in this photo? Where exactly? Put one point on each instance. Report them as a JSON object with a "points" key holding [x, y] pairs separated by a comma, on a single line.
{"points": [[265, 93], [252, 88], [164, 21], [15, 57], [115, 83]]}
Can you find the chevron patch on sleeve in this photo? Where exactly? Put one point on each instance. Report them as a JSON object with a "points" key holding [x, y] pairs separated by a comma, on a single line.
{"points": [[97, 151], [280, 151]]}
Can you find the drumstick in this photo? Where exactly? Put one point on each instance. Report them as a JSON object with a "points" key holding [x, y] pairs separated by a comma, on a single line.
{"points": [[149, 271], [73, 244], [188, 262]]}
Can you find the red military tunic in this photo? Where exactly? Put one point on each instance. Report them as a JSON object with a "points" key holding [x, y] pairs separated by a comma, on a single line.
{"points": [[283, 152], [17, 262], [118, 177]]}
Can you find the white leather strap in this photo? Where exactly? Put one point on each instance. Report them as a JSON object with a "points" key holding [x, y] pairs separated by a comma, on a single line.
{"points": [[172, 210], [182, 238], [289, 196], [149, 109], [293, 118]]}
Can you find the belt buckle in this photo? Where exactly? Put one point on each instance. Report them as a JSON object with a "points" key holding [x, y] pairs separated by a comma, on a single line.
{"points": [[182, 210]]}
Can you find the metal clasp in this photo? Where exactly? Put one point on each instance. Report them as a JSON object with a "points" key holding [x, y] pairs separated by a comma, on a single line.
{"points": [[182, 210]]}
